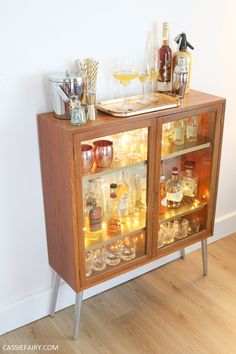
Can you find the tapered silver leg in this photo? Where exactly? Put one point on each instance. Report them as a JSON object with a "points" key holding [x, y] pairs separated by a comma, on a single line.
{"points": [[55, 288], [78, 301], [183, 253], [204, 257]]}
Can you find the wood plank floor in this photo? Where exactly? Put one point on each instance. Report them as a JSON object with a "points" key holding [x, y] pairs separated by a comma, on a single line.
{"points": [[171, 310]]}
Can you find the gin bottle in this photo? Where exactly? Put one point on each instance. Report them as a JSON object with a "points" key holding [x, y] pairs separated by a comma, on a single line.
{"points": [[174, 194]]}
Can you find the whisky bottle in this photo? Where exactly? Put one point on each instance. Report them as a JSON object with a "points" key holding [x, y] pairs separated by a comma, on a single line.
{"points": [[189, 180], [113, 215], [191, 129], [179, 132], [165, 59], [93, 208], [174, 194]]}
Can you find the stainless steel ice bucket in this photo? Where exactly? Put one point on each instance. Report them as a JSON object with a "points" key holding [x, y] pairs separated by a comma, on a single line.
{"points": [[63, 86]]}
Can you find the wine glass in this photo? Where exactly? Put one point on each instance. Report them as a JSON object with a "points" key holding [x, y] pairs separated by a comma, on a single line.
{"points": [[125, 71], [144, 78]]}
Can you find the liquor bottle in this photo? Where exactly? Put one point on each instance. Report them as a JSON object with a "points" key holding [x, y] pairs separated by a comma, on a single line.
{"points": [[140, 189], [123, 196], [189, 180], [162, 200], [165, 59], [174, 194], [179, 132], [113, 216], [191, 129], [93, 208]]}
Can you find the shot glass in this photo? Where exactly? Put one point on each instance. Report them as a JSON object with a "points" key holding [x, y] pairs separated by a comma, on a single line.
{"points": [[113, 255], [103, 153], [87, 157], [99, 259], [89, 262], [128, 249]]}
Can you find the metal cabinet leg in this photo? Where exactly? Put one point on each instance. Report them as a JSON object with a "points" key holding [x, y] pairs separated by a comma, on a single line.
{"points": [[183, 253], [78, 301], [55, 288], [204, 257]]}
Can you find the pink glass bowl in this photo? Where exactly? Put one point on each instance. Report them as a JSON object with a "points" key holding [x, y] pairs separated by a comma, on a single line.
{"points": [[87, 157], [103, 153]]}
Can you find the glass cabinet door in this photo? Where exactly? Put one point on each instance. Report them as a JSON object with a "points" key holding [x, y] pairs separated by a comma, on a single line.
{"points": [[185, 176], [114, 191]]}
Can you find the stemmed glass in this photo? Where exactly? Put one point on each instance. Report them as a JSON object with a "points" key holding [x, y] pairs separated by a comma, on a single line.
{"points": [[125, 71], [154, 72], [144, 77]]}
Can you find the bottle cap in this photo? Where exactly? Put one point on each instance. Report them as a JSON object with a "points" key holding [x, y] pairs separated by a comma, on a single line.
{"points": [[113, 185], [189, 165], [175, 170]]}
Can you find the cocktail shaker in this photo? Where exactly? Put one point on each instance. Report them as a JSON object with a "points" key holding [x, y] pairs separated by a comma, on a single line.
{"points": [[180, 77]]}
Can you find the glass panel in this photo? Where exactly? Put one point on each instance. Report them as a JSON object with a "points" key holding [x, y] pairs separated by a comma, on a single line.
{"points": [[114, 199], [185, 177]]}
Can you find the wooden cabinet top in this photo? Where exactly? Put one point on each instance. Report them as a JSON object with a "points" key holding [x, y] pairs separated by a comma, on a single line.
{"points": [[194, 100]]}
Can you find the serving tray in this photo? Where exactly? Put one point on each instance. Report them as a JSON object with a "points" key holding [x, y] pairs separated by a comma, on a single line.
{"points": [[159, 102]]}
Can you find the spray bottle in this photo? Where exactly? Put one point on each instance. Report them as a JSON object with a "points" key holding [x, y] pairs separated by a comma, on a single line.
{"points": [[181, 40]]}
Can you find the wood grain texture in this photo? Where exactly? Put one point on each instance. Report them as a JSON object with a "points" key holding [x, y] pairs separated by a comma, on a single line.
{"points": [[171, 310], [62, 182]]}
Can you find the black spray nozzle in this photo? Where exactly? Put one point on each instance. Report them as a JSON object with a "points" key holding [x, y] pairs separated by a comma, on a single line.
{"points": [[181, 40]]}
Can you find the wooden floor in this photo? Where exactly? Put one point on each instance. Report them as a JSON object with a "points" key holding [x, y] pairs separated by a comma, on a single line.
{"points": [[173, 309]]}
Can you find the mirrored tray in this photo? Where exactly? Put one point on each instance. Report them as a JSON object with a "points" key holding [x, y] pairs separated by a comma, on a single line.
{"points": [[159, 102]]}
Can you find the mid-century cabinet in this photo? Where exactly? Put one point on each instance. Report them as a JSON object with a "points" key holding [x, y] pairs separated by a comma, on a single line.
{"points": [[141, 153]]}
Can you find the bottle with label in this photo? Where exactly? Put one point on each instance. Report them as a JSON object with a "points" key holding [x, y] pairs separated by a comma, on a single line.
{"points": [[162, 204], [174, 194], [189, 180], [165, 60], [191, 129], [113, 215], [93, 209], [179, 132]]}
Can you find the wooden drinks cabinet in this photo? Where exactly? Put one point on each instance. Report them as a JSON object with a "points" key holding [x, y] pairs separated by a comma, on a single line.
{"points": [[144, 146]]}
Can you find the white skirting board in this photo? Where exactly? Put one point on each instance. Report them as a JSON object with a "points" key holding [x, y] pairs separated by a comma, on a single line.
{"points": [[36, 306]]}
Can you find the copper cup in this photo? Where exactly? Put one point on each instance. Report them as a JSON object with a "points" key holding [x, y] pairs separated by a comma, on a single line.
{"points": [[87, 157], [103, 152]]}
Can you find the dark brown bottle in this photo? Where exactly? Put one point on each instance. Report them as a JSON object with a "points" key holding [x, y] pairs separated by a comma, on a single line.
{"points": [[165, 61]]}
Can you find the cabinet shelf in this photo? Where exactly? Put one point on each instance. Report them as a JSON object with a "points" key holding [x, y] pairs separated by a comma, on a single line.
{"points": [[188, 207], [178, 150], [133, 225], [114, 167]]}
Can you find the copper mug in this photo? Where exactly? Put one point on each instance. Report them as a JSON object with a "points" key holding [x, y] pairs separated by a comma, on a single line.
{"points": [[87, 157], [103, 153]]}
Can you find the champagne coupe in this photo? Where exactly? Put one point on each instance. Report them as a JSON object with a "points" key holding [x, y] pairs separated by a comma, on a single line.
{"points": [[125, 72], [144, 78]]}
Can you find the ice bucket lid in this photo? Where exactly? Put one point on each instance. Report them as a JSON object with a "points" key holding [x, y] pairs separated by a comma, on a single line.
{"points": [[64, 77]]}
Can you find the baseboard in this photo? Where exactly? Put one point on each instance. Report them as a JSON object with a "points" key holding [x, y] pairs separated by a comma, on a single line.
{"points": [[36, 306]]}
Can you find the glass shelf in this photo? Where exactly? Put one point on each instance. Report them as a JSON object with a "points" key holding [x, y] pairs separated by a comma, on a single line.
{"points": [[188, 206], [178, 150], [133, 225], [115, 166]]}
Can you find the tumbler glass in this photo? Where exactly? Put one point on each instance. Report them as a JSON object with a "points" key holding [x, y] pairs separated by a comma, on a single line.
{"points": [[128, 249], [87, 157], [113, 255], [103, 153], [89, 262], [99, 259]]}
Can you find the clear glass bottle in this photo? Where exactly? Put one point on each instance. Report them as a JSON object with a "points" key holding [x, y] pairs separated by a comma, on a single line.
{"points": [[141, 188], [189, 180], [113, 215], [93, 208], [123, 196], [179, 132], [162, 200], [174, 194], [191, 129]]}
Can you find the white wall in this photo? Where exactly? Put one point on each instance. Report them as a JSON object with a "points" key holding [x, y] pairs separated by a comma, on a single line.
{"points": [[38, 37]]}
